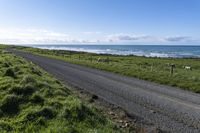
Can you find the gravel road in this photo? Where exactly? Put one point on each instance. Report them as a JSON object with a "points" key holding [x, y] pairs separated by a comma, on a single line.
{"points": [[167, 108]]}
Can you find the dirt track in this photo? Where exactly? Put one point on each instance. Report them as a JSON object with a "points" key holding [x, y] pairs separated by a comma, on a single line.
{"points": [[167, 108]]}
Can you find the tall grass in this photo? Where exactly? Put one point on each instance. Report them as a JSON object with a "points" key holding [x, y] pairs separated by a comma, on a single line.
{"points": [[33, 101]]}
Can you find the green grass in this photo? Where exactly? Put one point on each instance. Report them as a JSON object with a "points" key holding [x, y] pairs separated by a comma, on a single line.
{"points": [[152, 69], [33, 101]]}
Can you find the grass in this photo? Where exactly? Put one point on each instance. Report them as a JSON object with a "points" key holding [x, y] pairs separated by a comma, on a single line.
{"points": [[31, 100], [151, 69]]}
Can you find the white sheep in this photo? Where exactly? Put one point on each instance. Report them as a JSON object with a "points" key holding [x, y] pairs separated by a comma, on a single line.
{"points": [[187, 67]]}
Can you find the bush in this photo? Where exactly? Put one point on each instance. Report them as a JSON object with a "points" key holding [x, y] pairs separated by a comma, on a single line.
{"points": [[56, 105], [78, 112], [48, 92], [6, 64], [61, 93], [10, 105], [28, 79], [36, 71], [16, 69], [23, 90], [5, 127], [9, 72], [29, 89], [37, 99], [45, 112], [1, 113]]}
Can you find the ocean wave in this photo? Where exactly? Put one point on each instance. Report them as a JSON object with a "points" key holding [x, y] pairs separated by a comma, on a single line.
{"points": [[171, 52]]}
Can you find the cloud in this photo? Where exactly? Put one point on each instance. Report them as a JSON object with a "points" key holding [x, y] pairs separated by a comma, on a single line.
{"points": [[42, 36], [178, 39], [128, 37], [24, 36], [149, 38]]}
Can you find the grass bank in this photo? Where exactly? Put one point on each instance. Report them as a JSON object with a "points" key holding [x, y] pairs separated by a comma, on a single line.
{"points": [[152, 69], [31, 100]]}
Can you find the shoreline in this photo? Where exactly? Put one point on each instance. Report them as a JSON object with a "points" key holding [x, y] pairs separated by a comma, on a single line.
{"points": [[164, 51], [107, 54]]}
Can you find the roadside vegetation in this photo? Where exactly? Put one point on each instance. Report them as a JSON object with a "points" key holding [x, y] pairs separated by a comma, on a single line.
{"points": [[186, 73], [33, 101]]}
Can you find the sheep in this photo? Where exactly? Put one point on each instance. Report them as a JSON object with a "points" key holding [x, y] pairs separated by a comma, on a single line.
{"points": [[187, 67]]}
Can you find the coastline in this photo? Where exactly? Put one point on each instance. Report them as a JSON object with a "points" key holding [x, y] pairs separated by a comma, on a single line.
{"points": [[164, 51]]}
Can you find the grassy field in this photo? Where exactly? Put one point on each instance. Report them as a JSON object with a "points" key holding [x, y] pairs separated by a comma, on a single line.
{"points": [[152, 69], [33, 101]]}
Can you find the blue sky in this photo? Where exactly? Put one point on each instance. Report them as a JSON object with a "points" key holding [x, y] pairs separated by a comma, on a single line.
{"points": [[100, 21]]}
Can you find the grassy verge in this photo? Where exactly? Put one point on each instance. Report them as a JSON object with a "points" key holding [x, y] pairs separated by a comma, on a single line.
{"points": [[152, 69], [33, 101]]}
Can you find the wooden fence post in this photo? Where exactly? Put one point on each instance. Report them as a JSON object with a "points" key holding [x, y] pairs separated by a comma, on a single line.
{"points": [[172, 66], [151, 67]]}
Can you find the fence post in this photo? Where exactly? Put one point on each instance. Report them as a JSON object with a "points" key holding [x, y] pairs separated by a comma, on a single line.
{"points": [[172, 66], [151, 67]]}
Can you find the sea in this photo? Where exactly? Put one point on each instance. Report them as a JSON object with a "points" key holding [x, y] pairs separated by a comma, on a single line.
{"points": [[172, 51]]}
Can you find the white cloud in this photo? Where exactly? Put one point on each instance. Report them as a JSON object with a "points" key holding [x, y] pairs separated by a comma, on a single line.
{"points": [[128, 37], [28, 36], [149, 38], [42, 36], [178, 39]]}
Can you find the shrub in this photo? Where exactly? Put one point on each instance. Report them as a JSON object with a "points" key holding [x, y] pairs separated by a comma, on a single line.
{"points": [[28, 79], [56, 105], [46, 112], [23, 90], [10, 105], [5, 127], [5, 83], [29, 89], [1, 113], [34, 120], [36, 71], [6, 64], [77, 112], [16, 69], [9, 72], [48, 92], [44, 85], [61, 93], [37, 99]]}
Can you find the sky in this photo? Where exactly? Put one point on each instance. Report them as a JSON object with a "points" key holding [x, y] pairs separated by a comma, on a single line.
{"points": [[100, 21]]}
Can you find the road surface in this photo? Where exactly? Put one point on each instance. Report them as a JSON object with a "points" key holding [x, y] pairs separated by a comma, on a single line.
{"points": [[167, 108]]}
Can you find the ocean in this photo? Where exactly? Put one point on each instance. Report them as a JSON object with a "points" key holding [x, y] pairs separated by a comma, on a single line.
{"points": [[175, 51]]}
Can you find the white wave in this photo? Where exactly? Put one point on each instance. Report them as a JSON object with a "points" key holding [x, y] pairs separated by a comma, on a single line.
{"points": [[121, 51]]}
